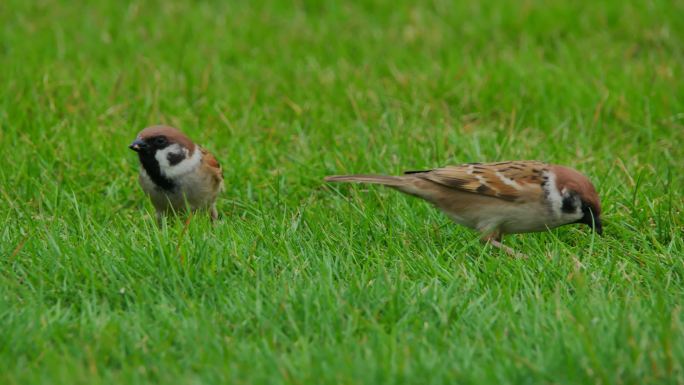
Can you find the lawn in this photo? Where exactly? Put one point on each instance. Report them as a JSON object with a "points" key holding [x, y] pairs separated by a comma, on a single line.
{"points": [[305, 283]]}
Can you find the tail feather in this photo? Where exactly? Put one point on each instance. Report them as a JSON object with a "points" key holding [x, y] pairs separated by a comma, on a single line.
{"points": [[387, 180]]}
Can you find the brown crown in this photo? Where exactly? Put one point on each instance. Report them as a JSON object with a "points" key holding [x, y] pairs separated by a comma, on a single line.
{"points": [[575, 181], [173, 135]]}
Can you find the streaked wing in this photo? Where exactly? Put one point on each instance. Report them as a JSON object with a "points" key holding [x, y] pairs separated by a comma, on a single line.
{"points": [[504, 180], [210, 162]]}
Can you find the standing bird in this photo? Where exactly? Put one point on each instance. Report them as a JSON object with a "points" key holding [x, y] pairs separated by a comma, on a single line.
{"points": [[500, 198], [176, 173]]}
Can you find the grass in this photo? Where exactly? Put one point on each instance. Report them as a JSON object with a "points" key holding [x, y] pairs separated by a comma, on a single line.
{"points": [[305, 283]]}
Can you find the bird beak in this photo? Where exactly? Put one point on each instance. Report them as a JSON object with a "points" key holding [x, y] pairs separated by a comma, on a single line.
{"points": [[138, 145], [598, 227], [593, 222]]}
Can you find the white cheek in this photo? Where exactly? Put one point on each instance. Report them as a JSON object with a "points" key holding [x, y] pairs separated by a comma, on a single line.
{"points": [[162, 156], [186, 165]]}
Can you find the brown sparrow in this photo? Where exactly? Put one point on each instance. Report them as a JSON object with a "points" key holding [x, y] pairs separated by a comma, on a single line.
{"points": [[500, 198], [176, 173]]}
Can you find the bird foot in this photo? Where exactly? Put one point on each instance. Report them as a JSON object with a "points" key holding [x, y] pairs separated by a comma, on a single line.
{"points": [[506, 249]]}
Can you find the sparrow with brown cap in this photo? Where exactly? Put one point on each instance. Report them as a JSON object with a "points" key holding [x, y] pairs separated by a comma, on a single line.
{"points": [[501, 198], [175, 173]]}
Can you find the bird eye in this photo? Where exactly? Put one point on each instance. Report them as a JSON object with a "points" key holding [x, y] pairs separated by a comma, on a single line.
{"points": [[159, 141]]}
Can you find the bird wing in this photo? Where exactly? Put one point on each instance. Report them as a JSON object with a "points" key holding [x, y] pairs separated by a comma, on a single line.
{"points": [[212, 165], [511, 181]]}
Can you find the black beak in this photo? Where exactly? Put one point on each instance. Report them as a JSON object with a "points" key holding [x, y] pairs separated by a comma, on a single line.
{"points": [[138, 145], [598, 227], [593, 222], [590, 220]]}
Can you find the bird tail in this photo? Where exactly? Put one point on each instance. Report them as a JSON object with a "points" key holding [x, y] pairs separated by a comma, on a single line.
{"points": [[387, 180]]}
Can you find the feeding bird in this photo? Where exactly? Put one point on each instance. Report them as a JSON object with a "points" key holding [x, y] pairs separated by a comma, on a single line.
{"points": [[500, 198]]}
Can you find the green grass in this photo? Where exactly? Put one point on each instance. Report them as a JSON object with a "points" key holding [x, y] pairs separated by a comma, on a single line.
{"points": [[305, 283]]}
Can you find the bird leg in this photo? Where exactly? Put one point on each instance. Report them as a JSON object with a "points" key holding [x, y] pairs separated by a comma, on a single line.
{"points": [[214, 213], [494, 239]]}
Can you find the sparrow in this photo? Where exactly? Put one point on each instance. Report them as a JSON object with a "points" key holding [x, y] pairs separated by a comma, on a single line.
{"points": [[500, 198], [177, 174]]}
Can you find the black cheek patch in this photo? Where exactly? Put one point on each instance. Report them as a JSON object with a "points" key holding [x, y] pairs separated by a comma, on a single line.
{"points": [[175, 158], [568, 205]]}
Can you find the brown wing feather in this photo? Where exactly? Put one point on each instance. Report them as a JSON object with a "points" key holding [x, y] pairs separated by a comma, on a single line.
{"points": [[504, 180], [213, 165]]}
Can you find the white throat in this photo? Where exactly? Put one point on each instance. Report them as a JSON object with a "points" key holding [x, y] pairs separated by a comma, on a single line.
{"points": [[189, 163]]}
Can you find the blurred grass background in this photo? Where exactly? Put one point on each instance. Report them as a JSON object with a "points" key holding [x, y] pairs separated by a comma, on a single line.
{"points": [[304, 283]]}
